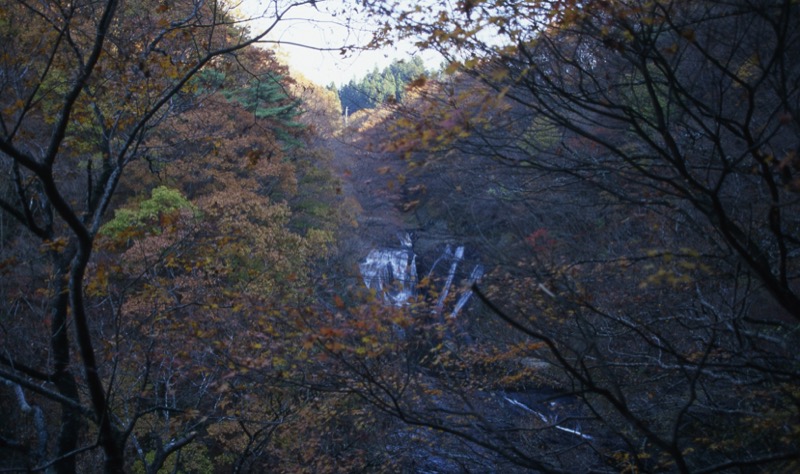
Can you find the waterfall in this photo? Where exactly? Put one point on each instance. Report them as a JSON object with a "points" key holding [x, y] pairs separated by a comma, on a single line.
{"points": [[476, 274], [455, 258], [392, 274]]}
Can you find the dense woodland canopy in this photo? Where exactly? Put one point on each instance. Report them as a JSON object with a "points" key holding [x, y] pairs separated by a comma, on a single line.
{"points": [[378, 87], [182, 223]]}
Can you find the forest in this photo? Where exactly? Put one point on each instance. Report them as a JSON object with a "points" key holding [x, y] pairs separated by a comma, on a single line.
{"points": [[576, 248], [379, 87]]}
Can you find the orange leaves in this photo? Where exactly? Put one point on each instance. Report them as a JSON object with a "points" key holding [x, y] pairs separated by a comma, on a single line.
{"points": [[419, 82], [441, 115], [331, 333], [411, 205], [338, 302], [200, 299]]}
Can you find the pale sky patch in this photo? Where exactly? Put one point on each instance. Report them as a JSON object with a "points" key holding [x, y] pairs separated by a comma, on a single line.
{"points": [[320, 28]]}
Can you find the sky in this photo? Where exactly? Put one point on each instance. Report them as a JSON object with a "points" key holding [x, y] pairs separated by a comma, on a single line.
{"points": [[316, 27]]}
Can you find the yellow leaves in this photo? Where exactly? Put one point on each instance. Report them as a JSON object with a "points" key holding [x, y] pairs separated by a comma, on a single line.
{"points": [[57, 245], [666, 276], [750, 68], [671, 49], [676, 269], [429, 136], [279, 363], [171, 261], [17, 106], [453, 67], [471, 63], [625, 462], [361, 351], [628, 36], [98, 284], [498, 74]]}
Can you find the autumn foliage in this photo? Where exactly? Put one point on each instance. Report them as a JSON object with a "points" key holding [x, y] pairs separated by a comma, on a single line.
{"points": [[181, 223]]}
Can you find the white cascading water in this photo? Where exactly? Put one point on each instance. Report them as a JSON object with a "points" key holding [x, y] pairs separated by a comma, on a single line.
{"points": [[454, 259], [392, 273], [476, 274]]}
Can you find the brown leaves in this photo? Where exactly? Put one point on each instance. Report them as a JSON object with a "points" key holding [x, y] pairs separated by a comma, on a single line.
{"points": [[419, 82]]}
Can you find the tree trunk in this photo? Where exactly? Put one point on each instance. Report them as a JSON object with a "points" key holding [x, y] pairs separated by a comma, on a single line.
{"points": [[71, 421]]}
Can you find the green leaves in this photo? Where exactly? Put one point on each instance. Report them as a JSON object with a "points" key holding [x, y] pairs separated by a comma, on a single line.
{"points": [[260, 86], [151, 214], [376, 88]]}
